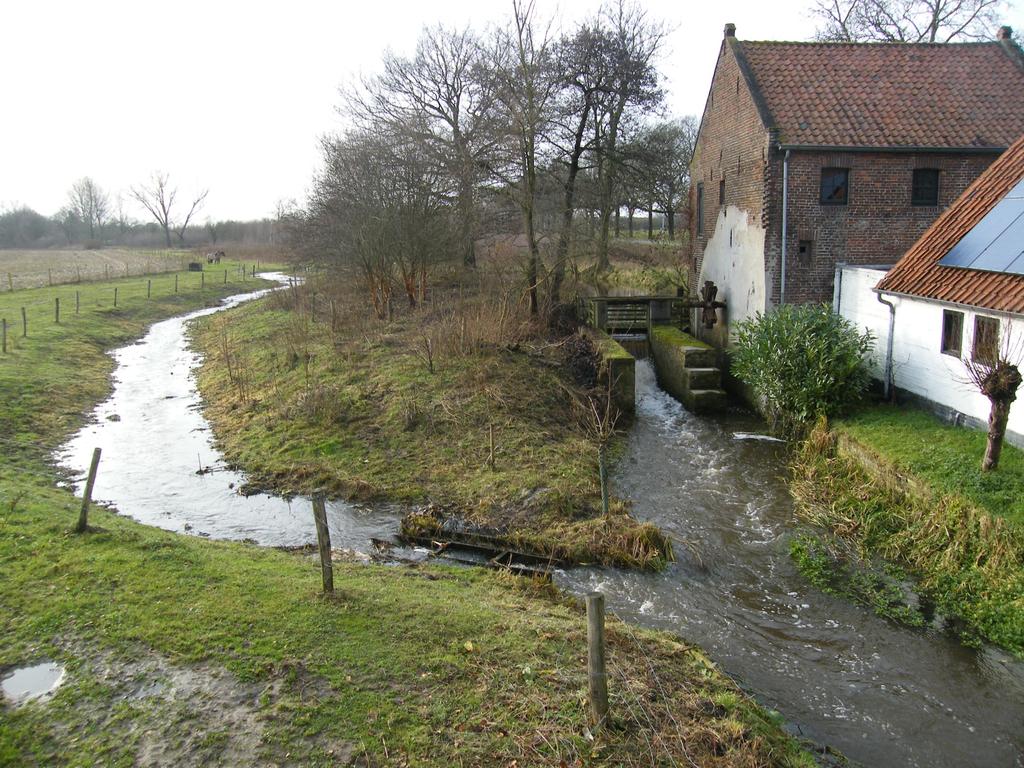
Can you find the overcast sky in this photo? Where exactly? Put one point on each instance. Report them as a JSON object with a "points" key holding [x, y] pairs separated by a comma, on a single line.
{"points": [[233, 96]]}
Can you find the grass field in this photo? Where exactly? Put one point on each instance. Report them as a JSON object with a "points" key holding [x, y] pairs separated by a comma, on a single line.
{"points": [[186, 652], [947, 458], [361, 411], [33, 269]]}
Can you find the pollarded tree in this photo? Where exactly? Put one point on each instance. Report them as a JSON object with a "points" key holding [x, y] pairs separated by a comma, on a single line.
{"points": [[907, 21], [992, 370]]}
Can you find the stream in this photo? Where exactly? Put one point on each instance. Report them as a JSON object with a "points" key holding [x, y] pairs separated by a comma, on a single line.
{"points": [[882, 694]]}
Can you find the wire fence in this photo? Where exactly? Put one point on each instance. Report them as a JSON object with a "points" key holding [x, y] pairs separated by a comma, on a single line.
{"points": [[24, 314]]}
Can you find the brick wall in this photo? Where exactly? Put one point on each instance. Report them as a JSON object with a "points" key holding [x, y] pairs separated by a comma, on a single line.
{"points": [[732, 146], [876, 226]]}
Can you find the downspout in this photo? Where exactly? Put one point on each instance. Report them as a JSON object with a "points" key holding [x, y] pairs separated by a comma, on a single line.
{"points": [[888, 384], [785, 225]]}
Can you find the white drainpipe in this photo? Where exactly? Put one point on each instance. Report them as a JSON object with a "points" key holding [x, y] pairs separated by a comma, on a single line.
{"points": [[888, 383]]}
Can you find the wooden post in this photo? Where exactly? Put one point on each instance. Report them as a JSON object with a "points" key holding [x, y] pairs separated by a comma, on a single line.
{"points": [[175, 283], [334, 318], [225, 277], [24, 323], [56, 309], [323, 540], [4, 323], [78, 301], [149, 289], [596, 677], [83, 516], [202, 280], [115, 295]]}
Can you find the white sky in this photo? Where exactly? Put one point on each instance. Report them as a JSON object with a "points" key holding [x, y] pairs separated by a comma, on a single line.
{"points": [[234, 95]]}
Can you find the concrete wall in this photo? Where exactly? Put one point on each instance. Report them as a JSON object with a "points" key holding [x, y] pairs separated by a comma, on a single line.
{"points": [[919, 367]]}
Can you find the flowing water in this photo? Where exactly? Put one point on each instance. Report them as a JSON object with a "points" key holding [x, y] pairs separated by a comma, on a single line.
{"points": [[885, 695], [154, 439]]}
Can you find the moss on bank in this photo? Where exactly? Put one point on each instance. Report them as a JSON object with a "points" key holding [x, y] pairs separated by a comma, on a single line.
{"points": [[968, 561], [364, 412], [181, 651]]}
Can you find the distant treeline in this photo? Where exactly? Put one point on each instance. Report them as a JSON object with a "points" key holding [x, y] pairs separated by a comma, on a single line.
{"points": [[23, 228]]}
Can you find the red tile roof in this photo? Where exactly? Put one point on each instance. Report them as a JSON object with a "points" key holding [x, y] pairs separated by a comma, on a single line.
{"points": [[918, 272], [951, 95]]}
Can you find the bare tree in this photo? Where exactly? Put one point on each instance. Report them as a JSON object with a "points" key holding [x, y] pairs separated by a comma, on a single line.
{"points": [[906, 21], [992, 371], [527, 83], [90, 204], [158, 199], [659, 164], [637, 41], [441, 100]]}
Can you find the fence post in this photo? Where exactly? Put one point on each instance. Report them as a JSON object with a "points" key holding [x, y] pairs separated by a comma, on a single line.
{"points": [[24, 324], [4, 322], [115, 295], [83, 516], [334, 318], [78, 301], [323, 540], [175, 283], [56, 309], [149, 289], [202, 280], [596, 677], [225, 277]]}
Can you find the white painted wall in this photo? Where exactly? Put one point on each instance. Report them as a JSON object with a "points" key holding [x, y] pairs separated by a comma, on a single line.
{"points": [[918, 364], [734, 260]]}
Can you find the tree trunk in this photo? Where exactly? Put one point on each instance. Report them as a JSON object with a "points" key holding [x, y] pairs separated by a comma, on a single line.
{"points": [[997, 419], [650, 223], [167, 236], [629, 223], [618, 225], [671, 224]]}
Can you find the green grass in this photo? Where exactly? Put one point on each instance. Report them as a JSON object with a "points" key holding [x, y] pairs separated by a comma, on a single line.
{"points": [[198, 652], [946, 458], [357, 412]]}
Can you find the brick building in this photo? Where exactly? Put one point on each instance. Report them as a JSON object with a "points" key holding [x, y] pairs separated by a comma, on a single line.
{"points": [[813, 154]]}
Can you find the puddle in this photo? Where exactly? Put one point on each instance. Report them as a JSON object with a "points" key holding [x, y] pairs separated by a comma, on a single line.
{"points": [[28, 683]]}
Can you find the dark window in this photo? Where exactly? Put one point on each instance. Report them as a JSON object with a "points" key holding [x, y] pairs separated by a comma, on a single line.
{"points": [[700, 209], [925, 190], [805, 250], [721, 192], [952, 332], [835, 186], [986, 340]]}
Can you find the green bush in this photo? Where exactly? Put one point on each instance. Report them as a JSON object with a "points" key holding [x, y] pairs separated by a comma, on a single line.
{"points": [[803, 362]]}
